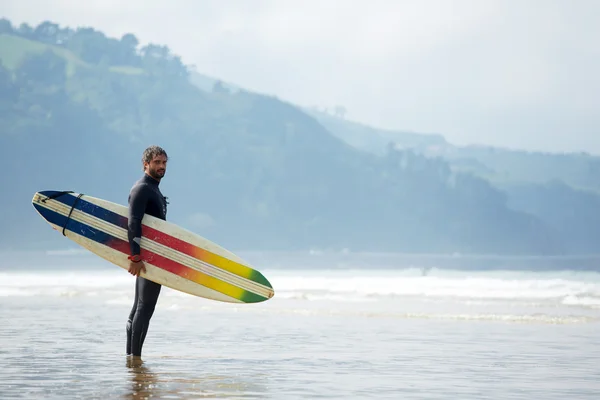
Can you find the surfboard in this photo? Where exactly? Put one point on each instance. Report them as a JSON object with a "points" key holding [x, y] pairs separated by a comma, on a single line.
{"points": [[173, 256]]}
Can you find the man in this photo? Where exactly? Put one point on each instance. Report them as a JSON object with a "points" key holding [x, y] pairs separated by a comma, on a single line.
{"points": [[145, 198]]}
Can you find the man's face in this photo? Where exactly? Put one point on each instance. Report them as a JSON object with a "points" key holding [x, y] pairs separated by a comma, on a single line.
{"points": [[157, 167]]}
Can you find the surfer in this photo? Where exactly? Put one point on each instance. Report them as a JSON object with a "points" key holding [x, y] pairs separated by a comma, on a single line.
{"points": [[144, 198]]}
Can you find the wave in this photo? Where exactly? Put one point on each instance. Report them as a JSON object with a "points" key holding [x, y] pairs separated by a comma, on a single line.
{"points": [[72, 283], [343, 286], [363, 287]]}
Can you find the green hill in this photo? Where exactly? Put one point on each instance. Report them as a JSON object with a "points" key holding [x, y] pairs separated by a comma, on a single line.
{"points": [[248, 171], [15, 50]]}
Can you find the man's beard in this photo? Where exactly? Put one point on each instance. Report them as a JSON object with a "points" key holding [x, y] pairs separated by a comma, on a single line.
{"points": [[155, 174]]}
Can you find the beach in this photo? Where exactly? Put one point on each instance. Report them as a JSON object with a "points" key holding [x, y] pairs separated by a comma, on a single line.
{"points": [[327, 333]]}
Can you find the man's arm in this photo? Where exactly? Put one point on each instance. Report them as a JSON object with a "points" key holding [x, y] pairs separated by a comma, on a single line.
{"points": [[137, 207]]}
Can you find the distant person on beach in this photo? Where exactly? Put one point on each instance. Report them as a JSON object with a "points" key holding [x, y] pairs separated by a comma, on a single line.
{"points": [[144, 198]]}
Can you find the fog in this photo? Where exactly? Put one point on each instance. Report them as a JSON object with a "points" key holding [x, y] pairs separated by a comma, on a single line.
{"points": [[514, 74]]}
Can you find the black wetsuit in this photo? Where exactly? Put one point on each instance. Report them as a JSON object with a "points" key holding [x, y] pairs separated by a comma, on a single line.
{"points": [[145, 198]]}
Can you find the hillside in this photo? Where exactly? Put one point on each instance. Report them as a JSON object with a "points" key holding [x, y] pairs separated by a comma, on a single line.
{"points": [[248, 171], [562, 190], [500, 166], [375, 140]]}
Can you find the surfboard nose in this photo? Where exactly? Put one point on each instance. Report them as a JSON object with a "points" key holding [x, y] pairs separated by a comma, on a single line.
{"points": [[47, 193], [44, 203], [38, 200], [44, 195]]}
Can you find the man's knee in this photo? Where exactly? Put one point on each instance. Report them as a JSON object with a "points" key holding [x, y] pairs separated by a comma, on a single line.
{"points": [[145, 309]]}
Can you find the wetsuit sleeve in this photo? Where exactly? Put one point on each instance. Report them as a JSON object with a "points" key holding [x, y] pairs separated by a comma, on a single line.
{"points": [[138, 199]]}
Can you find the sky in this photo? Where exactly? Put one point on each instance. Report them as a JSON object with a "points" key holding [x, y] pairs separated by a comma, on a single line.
{"points": [[519, 74]]}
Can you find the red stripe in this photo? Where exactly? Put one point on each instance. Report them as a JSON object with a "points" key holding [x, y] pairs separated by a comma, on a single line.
{"points": [[155, 259], [170, 241]]}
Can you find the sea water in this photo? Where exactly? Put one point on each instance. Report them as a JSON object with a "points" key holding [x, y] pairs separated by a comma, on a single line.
{"points": [[344, 332]]}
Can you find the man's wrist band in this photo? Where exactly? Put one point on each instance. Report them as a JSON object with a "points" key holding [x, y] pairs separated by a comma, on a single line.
{"points": [[135, 258]]}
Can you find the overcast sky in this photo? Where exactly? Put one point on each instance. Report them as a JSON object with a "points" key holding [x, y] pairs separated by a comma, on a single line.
{"points": [[513, 73]]}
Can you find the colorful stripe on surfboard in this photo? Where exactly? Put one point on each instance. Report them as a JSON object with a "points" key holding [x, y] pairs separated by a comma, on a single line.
{"points": [[219, 284]]}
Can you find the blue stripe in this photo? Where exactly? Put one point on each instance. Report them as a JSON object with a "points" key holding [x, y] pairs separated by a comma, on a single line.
{"points": [[89, 208], [76, 226]]}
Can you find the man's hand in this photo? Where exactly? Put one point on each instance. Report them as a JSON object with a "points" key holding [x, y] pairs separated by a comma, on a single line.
{"points": [[136, 267]]}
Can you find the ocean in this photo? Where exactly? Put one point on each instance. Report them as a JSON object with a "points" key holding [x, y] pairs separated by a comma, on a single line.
{"points": [[332, 331]]}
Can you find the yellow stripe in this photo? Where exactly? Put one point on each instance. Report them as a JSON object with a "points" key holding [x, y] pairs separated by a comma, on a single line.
{"points": [[215, 284], [223, 263]]}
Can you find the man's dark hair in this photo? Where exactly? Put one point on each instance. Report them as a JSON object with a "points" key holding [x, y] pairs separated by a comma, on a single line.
{"points": [[152, 152]]}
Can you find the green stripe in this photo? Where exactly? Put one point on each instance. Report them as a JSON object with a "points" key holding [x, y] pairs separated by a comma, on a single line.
{"points": [[249, 297], [257, 277]]}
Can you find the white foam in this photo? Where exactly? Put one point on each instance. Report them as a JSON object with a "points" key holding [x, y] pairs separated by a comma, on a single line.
{"points": [[337, 286], [472, 288], [588, 301], [64, 283]]}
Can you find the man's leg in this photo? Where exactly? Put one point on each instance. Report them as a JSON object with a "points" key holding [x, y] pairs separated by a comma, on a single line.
{"points": [[147, 297], [131, 316]]}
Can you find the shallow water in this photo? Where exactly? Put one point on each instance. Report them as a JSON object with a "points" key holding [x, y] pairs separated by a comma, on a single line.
{"points": [[325, 334]]}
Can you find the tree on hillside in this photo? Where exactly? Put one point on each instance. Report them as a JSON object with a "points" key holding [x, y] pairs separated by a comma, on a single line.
{"points": [[339, 111], [5, 26], [47, 32]]}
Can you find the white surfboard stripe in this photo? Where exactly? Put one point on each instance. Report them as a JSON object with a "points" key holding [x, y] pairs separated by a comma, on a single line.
{"points": [[175, 255]]}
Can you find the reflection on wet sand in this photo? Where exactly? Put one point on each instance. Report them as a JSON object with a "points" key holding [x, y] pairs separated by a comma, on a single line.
{"points": [[143, 381], [147, 383]]}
